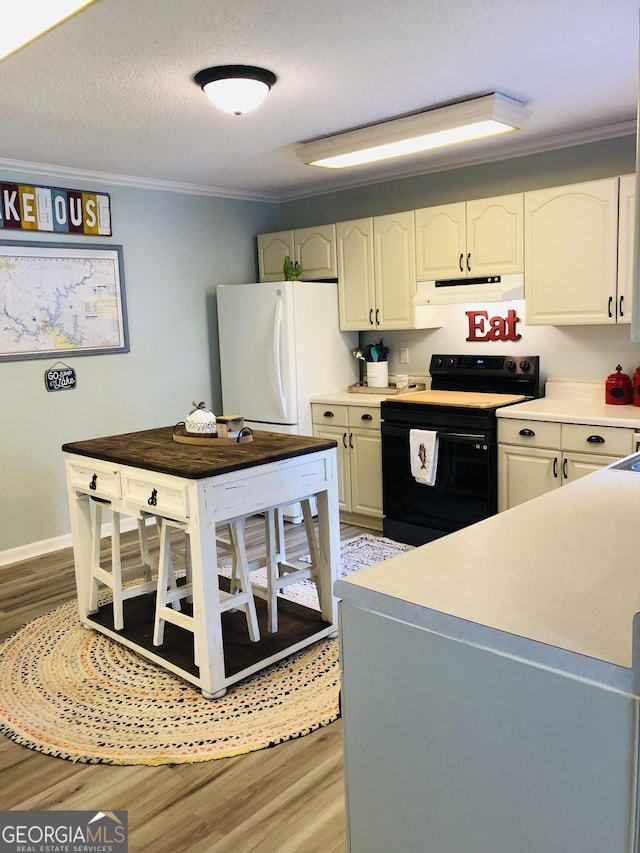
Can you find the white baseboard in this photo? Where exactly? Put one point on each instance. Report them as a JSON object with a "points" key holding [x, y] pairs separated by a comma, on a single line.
{"points": [[48, 546]]}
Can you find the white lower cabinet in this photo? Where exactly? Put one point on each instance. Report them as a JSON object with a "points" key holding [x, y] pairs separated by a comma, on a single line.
{"points": [[535, 457], [356, 429]]}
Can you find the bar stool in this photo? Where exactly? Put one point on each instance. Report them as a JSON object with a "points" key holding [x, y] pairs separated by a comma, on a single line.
{"points": [[170, 594], [116, 576], [281, 573]]}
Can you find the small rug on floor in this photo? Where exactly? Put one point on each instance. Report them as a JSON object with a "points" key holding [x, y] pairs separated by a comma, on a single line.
{"points": [[76, 694]]}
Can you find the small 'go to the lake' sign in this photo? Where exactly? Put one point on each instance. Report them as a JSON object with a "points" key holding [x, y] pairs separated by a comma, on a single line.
{"points": [[60, 378]]}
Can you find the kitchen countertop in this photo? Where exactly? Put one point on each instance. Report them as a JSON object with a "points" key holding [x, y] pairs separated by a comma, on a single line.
{"points": [[574, 411], [351, 398], [554, 581]]}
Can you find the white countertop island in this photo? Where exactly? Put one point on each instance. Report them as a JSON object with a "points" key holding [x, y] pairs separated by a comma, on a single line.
{"points": [[490, 682]]}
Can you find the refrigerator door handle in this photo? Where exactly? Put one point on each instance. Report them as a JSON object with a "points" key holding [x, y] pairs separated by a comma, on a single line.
{"points": [[277, 336]]}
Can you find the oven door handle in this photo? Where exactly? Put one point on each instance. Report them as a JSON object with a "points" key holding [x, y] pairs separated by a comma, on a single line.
{"points": [[463, 436]]}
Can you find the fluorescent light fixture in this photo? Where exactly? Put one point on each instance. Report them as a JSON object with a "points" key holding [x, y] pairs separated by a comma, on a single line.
{"points": [[29, 19], [476, 118], [235, 89]]}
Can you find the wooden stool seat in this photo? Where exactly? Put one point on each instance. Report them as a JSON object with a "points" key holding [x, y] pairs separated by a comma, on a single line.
{"points": [[115, 576], [170, 594], [281, 573]]}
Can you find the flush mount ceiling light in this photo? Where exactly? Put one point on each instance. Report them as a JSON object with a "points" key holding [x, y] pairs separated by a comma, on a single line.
{"points": [[235, 89], [475, 118], [32, 18]]}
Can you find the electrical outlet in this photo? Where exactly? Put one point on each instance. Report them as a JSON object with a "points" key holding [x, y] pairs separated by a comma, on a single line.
{"points": [[404, 355]]}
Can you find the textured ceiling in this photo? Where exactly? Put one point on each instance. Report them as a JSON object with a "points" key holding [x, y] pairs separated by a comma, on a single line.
{"points": [[111, 90]]}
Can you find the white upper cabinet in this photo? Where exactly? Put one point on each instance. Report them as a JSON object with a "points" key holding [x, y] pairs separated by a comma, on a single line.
{"points": [[394, 270], [377, 275], [315, 251], [468, 239], [626, 222], [356, 292], [272, 250], [314, 248], [571, 245]]}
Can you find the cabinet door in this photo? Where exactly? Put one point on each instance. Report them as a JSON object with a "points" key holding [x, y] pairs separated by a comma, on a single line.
{"points": [[571, 243], [341, 435], [440, 242], [525, 473], [356, 296], [315, 251], [625, 247], [576, 465], [394, 270], [272, 250], [366, 472], [495, 235]]}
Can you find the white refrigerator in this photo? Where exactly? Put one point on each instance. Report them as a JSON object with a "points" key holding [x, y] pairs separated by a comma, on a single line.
{"points": [[280, 344]]}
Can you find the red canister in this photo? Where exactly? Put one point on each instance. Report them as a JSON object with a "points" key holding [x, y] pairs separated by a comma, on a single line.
{"points": [[635, 392], [618, 388]]}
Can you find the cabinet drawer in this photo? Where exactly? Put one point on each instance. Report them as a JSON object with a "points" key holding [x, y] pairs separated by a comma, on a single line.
{"points": [[529, 433], [95, 479], [161, 495], [366, 417], [616, 441], [325, 413]]}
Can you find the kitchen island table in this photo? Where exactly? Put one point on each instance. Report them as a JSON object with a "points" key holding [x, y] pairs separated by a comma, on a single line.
{"points": [[203, 487]]}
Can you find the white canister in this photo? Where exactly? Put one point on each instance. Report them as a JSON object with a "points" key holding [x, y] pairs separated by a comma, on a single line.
{"points": [[378, 374]]}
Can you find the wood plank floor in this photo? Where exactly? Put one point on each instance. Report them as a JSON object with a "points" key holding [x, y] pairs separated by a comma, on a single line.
{"points": [[287, 799]]}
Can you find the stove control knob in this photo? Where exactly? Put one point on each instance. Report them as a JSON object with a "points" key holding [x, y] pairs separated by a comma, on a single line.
{"points": [[449, 362], [510, 364], [525, 365], [438, 362]]}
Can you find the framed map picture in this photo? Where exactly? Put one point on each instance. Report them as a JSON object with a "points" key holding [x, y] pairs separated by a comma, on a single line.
{"points": [[61, 299]]}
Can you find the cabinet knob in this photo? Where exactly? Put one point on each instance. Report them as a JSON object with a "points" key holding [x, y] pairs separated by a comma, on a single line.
{"points": [[621, 306], [469, 262], [610, 303], [371, 316], [529, 433], [555, 467], [460, 263], [564, 469]]}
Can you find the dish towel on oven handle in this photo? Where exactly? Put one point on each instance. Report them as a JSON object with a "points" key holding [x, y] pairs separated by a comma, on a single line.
{"points": [[423, 454]]}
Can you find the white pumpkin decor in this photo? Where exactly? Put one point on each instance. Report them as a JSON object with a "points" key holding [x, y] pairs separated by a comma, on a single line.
{"points": [[200, 420]]}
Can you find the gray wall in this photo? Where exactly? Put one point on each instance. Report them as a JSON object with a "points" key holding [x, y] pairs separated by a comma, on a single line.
{"points": [[176, 248]]}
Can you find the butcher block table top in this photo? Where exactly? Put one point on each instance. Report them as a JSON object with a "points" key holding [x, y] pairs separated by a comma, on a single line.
{"points": [[468, 399], [155, 450]]}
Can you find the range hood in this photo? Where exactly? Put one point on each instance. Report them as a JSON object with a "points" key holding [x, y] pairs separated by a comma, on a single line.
{"points": [[491, 288]]}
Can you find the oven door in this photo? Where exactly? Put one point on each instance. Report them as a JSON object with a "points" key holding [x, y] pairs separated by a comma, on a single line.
{"points": [[465, 489]]}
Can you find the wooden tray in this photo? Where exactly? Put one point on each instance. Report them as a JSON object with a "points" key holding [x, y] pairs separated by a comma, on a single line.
{"points": [[181, 435], [388, 391]]}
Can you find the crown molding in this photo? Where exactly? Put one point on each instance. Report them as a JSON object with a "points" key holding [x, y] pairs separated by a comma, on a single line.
{"points": [[341, 182], [64, 172]]}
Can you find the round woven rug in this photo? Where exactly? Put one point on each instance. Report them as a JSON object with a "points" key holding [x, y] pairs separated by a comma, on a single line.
{"points": [[76, 694]]}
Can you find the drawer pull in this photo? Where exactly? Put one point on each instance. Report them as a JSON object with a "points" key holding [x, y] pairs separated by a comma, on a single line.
{"points": [[564, 470], [529, 433], [595, 439], [371, 316], [366, 417], [328, 414], [555, 467], [93, 485], [153, 500], [344, 440]]}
